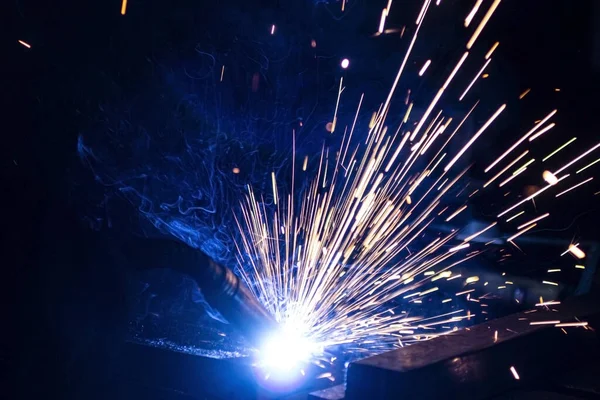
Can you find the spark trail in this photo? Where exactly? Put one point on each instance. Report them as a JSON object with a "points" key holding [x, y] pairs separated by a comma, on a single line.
{"points": [[337, 261]]}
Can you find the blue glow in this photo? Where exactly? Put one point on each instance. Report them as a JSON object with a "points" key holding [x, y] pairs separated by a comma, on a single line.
{"points": [[286, 352]]}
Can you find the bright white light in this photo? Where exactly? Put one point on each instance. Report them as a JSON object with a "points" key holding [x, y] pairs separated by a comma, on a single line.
{"points": [[345, 63], [286, 350], [550, 178]]}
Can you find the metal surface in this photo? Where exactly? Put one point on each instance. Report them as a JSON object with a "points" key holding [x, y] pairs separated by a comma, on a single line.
{"points": [[198, 377], [333, 393], [168, 374], [471, 365], [584, 380]]}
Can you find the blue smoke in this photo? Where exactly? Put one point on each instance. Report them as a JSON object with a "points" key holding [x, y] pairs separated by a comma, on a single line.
{"points": [[171, 149]]}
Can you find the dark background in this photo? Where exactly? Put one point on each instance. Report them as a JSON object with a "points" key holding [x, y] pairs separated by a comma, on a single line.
{"points": [[89, 68]]}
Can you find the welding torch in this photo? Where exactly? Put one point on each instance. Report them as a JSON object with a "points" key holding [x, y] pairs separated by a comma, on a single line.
{"points": [[221, 287]]}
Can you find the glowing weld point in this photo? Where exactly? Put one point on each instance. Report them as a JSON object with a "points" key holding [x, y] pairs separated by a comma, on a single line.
{"points": [[514, 372], [123, 7], [345, 63], [286, 350]]}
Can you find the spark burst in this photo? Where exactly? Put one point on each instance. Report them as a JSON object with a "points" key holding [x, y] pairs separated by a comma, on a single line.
{"points": [[333, 264]]}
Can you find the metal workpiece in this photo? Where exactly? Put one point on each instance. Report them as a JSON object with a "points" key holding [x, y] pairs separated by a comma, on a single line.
{"points": [[475, 363]]}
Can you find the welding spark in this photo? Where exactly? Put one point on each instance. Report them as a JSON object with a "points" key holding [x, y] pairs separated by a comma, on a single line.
{"points": [[505, 169], [338, 258], [482, 24], [523, 138], [470, 142], [424, 68], [515, 216], [559, 149], [525, 93], [533, 220], [540, 133], [576, 251], [516, 235], [462, 96], [472, 13], [550, 178], [25, 44], [587, 166], [531, 197], [514, 372], [534, 323], [574, 187], [571, 324], [567, 165]]}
